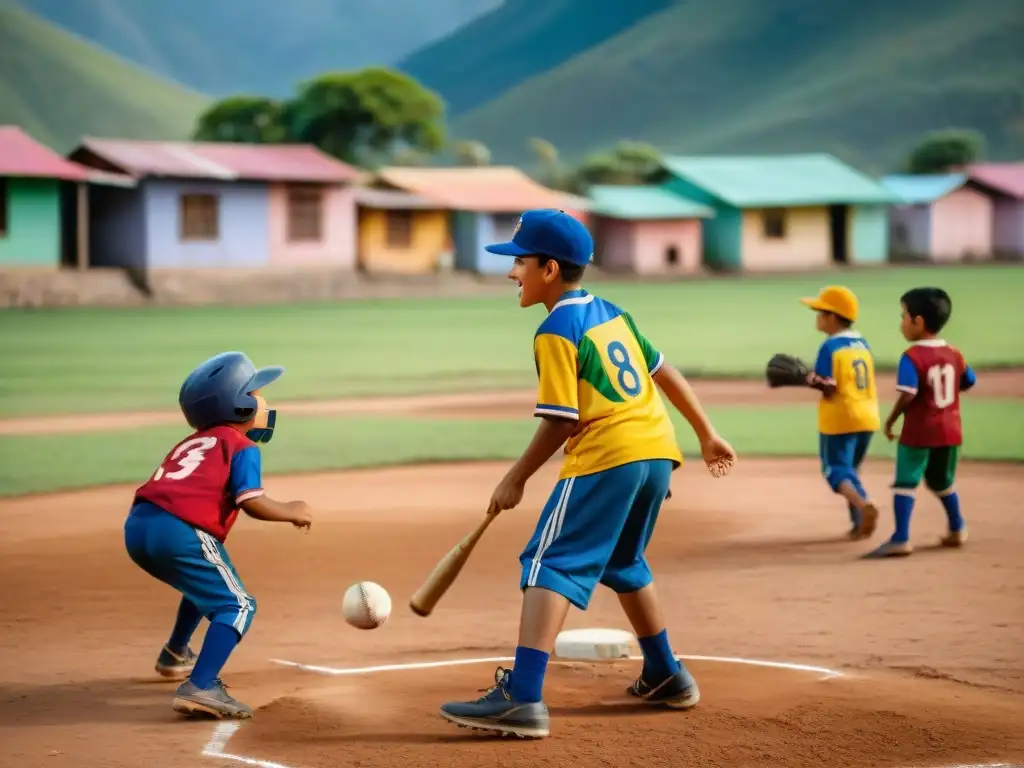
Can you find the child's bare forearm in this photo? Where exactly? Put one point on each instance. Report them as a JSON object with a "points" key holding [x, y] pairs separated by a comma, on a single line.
{"points": [[266, 509], [898, 408], [827, 387], [549, 437], [678, 391]]}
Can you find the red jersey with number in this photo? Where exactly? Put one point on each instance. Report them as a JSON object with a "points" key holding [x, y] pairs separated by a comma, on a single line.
{"points": [[932, 420], [205, 478]]}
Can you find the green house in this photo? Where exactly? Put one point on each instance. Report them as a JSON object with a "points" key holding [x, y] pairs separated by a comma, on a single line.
{"points": [[785, 211], [37, 203]]}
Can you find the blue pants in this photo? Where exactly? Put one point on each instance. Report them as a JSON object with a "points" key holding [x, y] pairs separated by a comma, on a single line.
{"points": [[841, 457], [594, 529], [191, 561]]}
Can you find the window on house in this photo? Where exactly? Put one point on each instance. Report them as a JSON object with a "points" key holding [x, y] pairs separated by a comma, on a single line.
{"points": [[3, 207], [399, 229], [305, 214], [774, 221], [199, 217]]}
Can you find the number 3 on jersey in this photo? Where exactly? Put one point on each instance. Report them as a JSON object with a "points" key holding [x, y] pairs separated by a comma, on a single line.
{"points": [[194, 451], [628, 378], [941, 378]]}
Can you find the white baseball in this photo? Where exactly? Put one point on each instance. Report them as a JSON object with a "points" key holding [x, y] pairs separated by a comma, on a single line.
{"points": [[366, 605]]}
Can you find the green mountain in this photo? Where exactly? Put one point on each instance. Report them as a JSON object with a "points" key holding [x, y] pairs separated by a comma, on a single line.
{"points": [[258, 46], [862, 80], [59, 87], [516, 41]]}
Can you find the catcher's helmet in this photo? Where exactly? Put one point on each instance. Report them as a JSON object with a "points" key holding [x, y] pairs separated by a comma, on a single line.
{"points": [[217, 392]]}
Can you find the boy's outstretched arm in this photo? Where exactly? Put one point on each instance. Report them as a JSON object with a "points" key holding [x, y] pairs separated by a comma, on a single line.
{"points": [[298, 513], [717, 453]]}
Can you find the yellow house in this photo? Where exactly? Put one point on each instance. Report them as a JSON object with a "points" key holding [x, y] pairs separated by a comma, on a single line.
{"points": [[401, 232]]}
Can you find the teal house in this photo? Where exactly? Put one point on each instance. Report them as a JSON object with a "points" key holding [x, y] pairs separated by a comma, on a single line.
{"points": [[43, 197], [784, 211]]}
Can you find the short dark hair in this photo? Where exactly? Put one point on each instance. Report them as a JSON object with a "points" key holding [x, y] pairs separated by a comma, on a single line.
{"points": [[843, 321], [932, 305], [571, 273]]}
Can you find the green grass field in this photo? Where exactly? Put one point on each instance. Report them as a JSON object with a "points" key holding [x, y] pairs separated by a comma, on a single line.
{"points": [[95, 360], [41, 463]]}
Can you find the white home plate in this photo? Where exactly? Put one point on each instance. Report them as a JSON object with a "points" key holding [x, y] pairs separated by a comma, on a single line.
{"points": [[594, 644]]}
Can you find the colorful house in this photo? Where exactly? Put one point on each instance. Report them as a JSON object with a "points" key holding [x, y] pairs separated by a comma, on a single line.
{"points": [[485, 204], [220, 205], [785, 211], [646, 229], [942, 217], [42, 197], [401, 232], [1006, 182]]}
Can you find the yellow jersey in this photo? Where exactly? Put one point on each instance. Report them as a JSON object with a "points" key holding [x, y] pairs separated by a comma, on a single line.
{"points": [[845, 360], [594, 366]]}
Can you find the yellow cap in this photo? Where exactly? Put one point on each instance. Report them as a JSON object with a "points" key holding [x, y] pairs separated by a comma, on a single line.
{"points": [[837, 299]]}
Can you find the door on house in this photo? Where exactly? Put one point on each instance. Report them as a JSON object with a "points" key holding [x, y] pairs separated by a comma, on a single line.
{"points": [[672, 257], [838, 218]]}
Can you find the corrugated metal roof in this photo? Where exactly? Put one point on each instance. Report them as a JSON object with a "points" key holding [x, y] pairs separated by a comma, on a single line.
{"points": [[490, 189], [1007, 178], [392, 199], [23, 156], [746, 182], [229, 162], [644, 202], [913, 189]]}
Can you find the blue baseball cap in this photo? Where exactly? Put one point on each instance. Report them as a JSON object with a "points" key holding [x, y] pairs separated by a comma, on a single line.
{"points": [[549, 232]]}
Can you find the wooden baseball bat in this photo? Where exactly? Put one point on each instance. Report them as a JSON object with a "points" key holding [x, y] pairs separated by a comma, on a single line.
{"points": [[444, 573]]}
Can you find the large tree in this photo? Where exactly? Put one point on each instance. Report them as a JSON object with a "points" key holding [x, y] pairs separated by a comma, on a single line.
{"points": [[366, 117], [245, 119], [942, 151]]}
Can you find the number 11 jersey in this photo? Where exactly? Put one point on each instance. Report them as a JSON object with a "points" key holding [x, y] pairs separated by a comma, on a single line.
{"points": [[934, 373], [205, 478]]}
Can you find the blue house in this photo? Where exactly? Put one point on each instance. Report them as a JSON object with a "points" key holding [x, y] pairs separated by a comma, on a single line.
{"points": [[485, 204], [785, 211], [219, 205]]}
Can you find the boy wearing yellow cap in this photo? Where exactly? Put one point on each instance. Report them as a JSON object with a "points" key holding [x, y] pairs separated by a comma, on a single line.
{"points": [[848, 417]]}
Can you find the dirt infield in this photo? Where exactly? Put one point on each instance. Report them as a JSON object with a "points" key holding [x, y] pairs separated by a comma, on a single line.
{"points": [[494, 405], [751, 566]]}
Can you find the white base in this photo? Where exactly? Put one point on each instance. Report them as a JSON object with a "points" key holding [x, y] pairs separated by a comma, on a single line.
{"points": [[595, 644]]}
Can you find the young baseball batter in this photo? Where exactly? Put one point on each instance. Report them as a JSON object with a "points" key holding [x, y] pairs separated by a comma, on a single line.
{"points": [[930, 378], [844, 373], [597, 377], [182, 515]]}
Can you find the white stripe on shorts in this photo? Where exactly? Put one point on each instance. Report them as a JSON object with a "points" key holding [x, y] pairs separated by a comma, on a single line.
{"points": [[211, 551], [552, 527]]}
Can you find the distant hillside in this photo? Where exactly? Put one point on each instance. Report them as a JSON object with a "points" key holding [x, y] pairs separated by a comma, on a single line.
{"points": [[258, 46], [519, 39], [863, 80], [58, 88]]}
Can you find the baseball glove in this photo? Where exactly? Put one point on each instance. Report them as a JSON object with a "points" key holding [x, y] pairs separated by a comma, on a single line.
{"points": [[786, 371]]}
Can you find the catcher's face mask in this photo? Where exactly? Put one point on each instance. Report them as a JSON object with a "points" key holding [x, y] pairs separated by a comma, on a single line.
{"points": [[263, 422]]}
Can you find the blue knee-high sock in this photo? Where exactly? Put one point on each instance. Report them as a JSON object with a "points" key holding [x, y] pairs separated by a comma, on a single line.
{"points": [[951, 503], [220, 641], [184, 626], [528, 674], [903, 506], [659, 663]]}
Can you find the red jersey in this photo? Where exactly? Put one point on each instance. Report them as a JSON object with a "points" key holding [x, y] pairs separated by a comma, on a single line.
{"points": [[205, 478], [933, 372]]}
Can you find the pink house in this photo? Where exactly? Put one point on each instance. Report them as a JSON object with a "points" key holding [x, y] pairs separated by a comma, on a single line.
{"points": [[646, 230], [943, 217], [220, 205], [1006, 182]]}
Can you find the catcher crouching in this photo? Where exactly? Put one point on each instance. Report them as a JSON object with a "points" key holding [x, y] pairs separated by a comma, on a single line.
{"points": [[848, 417]]}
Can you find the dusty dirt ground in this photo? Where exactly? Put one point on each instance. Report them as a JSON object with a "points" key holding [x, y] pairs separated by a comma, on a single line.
{"points": [[754, 566]]}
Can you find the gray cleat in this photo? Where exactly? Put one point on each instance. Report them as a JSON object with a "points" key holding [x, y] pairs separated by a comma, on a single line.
{"points": [[497, 712], [212, 702]]}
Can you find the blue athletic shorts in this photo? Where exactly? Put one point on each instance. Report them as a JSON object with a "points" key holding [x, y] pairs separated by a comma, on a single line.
{"points": [[594, 530]]}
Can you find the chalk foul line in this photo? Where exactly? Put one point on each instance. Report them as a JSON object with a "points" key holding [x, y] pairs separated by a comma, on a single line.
{"points": [[222, 733]]}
